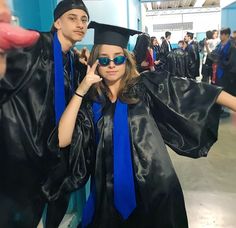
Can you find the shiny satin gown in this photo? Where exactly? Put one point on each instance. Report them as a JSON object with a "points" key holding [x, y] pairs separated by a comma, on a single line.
{"points": [[26, 121], [174, 111]]}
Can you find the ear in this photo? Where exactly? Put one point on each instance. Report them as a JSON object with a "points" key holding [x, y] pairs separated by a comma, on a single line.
{"points": [[57, 24]]}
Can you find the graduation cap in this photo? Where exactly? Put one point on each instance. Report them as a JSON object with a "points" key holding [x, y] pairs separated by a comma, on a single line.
{"points": [[110, 34], [66, 5], [191, 34]]}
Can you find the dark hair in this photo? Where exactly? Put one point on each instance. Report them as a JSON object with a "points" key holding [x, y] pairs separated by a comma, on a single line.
{"points": [[167, 33], [140, 49], [214, 31], [181, 42], [152, 38], [209, 35], [226, 31]]}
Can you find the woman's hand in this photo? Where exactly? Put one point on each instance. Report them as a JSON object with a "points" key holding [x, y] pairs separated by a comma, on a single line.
{"points": [[90, 79]]}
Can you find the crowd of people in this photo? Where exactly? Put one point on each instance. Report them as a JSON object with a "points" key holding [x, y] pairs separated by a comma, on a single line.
{"points": [[211, 60], [68, 117]]}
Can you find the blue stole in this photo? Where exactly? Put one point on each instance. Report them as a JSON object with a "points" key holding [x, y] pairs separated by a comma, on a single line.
{"points": [[223, 53], [59, 93], [124, 189]]}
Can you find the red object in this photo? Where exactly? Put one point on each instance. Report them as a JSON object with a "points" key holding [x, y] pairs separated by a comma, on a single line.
{"points": [[16, 37], [213, 79]]}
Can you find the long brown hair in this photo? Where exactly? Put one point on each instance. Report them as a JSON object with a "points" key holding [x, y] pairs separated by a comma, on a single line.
{"points": [[99, 91]]}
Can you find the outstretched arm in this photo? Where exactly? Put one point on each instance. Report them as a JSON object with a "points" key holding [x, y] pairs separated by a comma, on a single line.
{"points": [[68, 119], [227, 100]]}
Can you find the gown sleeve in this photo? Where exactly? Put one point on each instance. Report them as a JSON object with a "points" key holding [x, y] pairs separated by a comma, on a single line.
{"points": [[185, 112], [75, 163], [21, 67]]}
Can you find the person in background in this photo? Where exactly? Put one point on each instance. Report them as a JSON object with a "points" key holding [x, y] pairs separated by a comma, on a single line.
{"points": [[38, 84], [209, 46], [234, 37], [117, 124], [156, 51], [225, 58], [143, 53], [193, 55], [165, 47]]}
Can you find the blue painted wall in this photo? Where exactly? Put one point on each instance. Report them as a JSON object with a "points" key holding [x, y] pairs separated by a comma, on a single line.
{"points": [[228, 16], [34, 14]]}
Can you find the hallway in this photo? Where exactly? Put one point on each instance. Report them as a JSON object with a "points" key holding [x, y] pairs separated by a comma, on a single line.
{"points": [[209, 184]]}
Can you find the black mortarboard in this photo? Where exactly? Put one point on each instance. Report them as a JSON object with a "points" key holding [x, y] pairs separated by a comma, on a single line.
{"points": [[190, 34], [66, 5], [110, 34]]}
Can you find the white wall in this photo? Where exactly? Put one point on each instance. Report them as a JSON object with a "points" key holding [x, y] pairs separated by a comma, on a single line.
{"points": [[107, 12], [201, 23], [224, 3], [124, 13]]}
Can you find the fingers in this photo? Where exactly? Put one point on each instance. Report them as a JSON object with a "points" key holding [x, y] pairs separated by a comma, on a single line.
{"points": [[88, 69], [93, 69]]}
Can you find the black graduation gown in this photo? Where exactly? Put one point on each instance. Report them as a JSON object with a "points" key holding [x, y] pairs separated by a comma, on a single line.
{"points": [[172, 110], [228, 80], [194, 59], [177, 63], [26, 121]]}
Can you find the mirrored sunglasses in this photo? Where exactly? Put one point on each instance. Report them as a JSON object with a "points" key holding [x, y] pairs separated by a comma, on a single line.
{"points": [[105, 61]]}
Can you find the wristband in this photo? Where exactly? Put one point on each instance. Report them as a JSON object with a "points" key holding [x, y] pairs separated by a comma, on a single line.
{"points": [[79, 95]]}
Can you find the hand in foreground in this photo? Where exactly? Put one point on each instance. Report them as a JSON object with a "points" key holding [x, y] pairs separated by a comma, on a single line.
{"points": [[15, 37]]}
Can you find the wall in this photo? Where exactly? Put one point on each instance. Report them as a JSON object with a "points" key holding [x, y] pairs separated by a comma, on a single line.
{"points": [[34, 14], [228, 16], [124, 13], [201, 23]]}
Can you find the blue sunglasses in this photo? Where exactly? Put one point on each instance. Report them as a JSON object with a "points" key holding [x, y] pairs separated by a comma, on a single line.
{"points": [[105, 61]]}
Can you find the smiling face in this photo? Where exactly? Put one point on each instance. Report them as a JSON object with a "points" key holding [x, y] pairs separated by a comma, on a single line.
{"points": [[112, 73], [72, 25]]}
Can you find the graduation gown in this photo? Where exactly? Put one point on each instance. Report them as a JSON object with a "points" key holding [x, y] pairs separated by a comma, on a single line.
{"points": [[177, 63], [26, 120], [194, 59], [171, 110]]}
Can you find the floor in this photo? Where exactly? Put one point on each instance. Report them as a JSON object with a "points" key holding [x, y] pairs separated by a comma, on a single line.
{"points": [[209, 184]]}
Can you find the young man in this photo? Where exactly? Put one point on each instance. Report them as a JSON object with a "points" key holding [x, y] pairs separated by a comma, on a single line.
{"points": [[165, 47], [38, 83], [194, 56]]}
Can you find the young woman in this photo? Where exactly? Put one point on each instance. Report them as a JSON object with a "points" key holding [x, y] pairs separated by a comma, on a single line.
{"points": [[117, 125], [144, 53]]}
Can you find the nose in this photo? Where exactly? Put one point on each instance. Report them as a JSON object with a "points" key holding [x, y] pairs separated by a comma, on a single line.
{"points": [[111, 64]]}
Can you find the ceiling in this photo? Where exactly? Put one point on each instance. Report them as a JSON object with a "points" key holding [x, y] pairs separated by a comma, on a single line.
{"points": [[178, 4]]}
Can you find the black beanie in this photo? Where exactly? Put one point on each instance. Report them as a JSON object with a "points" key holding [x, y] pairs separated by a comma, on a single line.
{"points": [[66, 5]]}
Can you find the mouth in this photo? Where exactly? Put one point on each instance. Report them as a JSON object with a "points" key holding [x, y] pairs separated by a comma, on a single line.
{"points": [[79, 33], [111, 72]]}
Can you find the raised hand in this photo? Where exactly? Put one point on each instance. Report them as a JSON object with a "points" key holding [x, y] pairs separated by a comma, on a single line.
{"points": [[90, 79], [83, 55]]}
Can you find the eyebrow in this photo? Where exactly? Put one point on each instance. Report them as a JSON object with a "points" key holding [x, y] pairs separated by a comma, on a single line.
{"points": [[117, 53], [75, 15]]}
